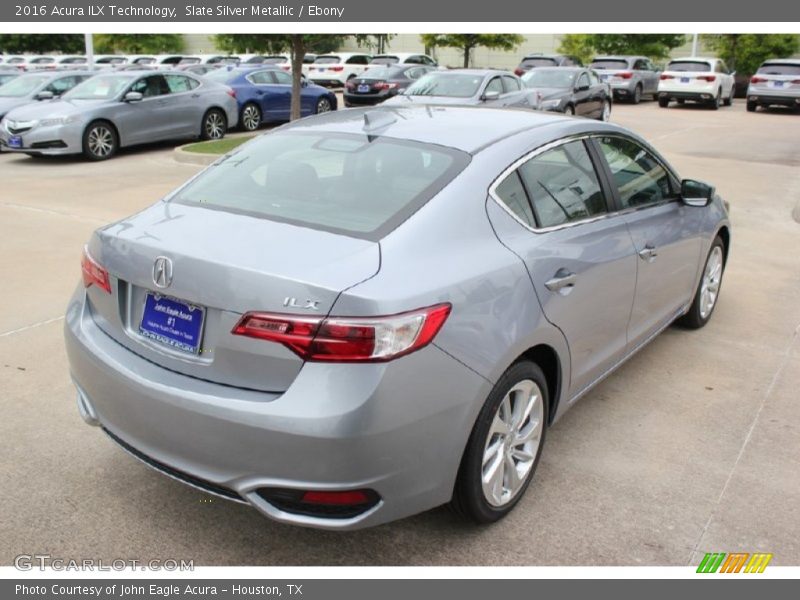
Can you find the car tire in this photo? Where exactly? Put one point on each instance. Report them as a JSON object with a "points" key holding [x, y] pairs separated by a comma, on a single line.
{"points": [[717, 101], [100, 141], [637, 94], [729, 100], [250, 118], [605, 115], [214, 125], [707, 294], [751, 106], [664, 102], [516, 409], [323, 105], [569, 110]]}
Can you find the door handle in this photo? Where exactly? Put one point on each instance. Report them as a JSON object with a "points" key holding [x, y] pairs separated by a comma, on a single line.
{"points": [[195, 95], [562, 280], [648, 253]]}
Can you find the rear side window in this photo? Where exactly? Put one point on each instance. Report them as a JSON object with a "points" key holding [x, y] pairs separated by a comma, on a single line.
{"points": [[350, 184], [639, 177], [179, 83], [562, 185], [513, 195]]}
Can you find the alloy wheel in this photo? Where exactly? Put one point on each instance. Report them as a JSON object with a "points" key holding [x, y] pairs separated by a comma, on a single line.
{"points": [[512, 443], [215, 125], [712, 276], [323, 106], [101, 141], [251, 118]]}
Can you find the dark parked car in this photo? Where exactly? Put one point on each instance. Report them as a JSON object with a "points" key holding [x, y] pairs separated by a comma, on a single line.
{"points": [[265, 94], [484, 87], [630, 77], [381, 83], [534, 61], [571, 90]]}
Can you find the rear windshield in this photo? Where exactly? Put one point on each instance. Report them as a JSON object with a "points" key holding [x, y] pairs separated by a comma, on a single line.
{"points": [[453, 85], [384, 60], [549, 78], [532, 63], [350, 184], [22, 86], [190, 60], [779, 69], [381, 73], [686, 65], [78, 60], [609, 64], [275, 60], [327, 60]]}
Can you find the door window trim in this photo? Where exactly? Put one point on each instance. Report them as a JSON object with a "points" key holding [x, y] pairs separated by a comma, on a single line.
{"points": [[602, 171]]}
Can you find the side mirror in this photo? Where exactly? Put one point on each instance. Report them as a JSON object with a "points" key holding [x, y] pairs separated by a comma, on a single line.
{"points": [[696, 193], [491, 95], [133, 97], [46, 95], [303, 82]]}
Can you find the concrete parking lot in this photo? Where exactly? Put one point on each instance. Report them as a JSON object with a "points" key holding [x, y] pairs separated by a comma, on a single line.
{"points": [[693, 446]]}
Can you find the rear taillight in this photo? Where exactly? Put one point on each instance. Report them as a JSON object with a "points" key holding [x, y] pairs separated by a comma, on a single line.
{"points": [[755, 79], [93, 273], [708, 78], [347, 339], [349, 85], [625, 75], [231, 93], [519, 72], [795, 81], [383, 85], [286, 68], [665, 76], [336, 68]]}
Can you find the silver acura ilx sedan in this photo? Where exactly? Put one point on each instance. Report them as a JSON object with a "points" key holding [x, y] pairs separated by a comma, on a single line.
{"points": [[365, 314]]}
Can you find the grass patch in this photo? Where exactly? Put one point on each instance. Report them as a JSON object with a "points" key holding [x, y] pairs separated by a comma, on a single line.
{"points": [[218, 146]]}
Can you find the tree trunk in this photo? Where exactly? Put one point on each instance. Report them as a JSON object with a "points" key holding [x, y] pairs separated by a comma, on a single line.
{"points": [[466, 56], [298, 53]]}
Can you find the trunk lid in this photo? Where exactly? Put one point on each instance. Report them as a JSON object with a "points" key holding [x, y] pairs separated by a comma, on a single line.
{"points": [[226, 264]]}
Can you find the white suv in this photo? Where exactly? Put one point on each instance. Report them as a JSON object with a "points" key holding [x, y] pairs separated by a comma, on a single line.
{"points": [[336, 69], [777, 82], [706, 80], [403, 58]]}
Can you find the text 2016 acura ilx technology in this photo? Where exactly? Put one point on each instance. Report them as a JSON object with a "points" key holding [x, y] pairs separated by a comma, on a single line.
{"points": [[366, 314]]}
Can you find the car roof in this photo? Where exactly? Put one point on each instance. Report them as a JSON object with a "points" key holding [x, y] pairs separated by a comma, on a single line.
{"points": [[560, 69], [620, 57], [482, 72], [344, 55], [695, 59], [782, 61], [432, 124]]}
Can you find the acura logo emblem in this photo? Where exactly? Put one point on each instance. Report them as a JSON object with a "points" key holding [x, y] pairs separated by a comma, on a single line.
{"points": [[162, 272]]}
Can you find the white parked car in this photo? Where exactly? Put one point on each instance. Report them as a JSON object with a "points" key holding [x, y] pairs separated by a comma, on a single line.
{"points": [[40, 63], [705, 80], [403, 58], [777, 82], [336, 69]]}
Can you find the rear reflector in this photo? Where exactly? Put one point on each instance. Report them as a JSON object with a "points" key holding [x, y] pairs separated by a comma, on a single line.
{"points": [[93, 273], [347, 339], [323, 504], [348, 498]]}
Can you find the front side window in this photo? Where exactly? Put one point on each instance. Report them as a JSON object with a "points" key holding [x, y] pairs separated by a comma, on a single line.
{"points": [[495, 85], [151, 86], [639, 177], [511, 84], [327, 181], [583, 81], [562, 185]]}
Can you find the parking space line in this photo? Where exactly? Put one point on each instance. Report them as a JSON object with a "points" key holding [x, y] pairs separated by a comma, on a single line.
{"points": [[787, 354], [50, 211], [31, 326]]}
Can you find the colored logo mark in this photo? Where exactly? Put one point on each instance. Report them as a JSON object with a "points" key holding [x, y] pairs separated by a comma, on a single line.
{"points": [[735, 562]]}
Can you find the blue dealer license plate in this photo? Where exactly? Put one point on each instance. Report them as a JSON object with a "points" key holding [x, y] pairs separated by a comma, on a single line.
{"points": [[15, 141], [172, 322]]}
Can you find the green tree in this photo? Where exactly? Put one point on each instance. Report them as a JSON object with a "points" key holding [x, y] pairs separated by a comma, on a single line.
{"points": [[653, 45], [578, 45], [20, 43], [744, 52], [296, 45], [138, 43], [467, 41], [379, 42]]}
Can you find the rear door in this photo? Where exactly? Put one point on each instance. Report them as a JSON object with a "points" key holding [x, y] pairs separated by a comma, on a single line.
{"points": [[579, 255], [185, 106], [282, 88], [665, 233]]}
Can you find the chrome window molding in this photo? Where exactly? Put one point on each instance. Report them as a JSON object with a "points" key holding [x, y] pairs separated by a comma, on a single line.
{"points": [[560, 142]]}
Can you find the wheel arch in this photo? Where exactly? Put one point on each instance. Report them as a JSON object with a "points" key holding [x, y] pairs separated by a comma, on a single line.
{"points": [[549, 362], [725, 233], [108, 121]]}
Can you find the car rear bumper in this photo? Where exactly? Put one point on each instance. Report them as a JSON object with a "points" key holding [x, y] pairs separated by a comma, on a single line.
{"points": [[698, 96], [364, 99], [397, 428], [770, 97], [327, 80]]}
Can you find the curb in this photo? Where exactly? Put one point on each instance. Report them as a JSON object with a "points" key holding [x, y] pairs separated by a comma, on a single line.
{"points": [[193, 158]]}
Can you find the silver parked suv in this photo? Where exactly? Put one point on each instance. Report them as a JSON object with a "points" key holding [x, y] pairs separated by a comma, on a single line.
{"points": [[777, 82], [365, 314], [630, 77]]}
